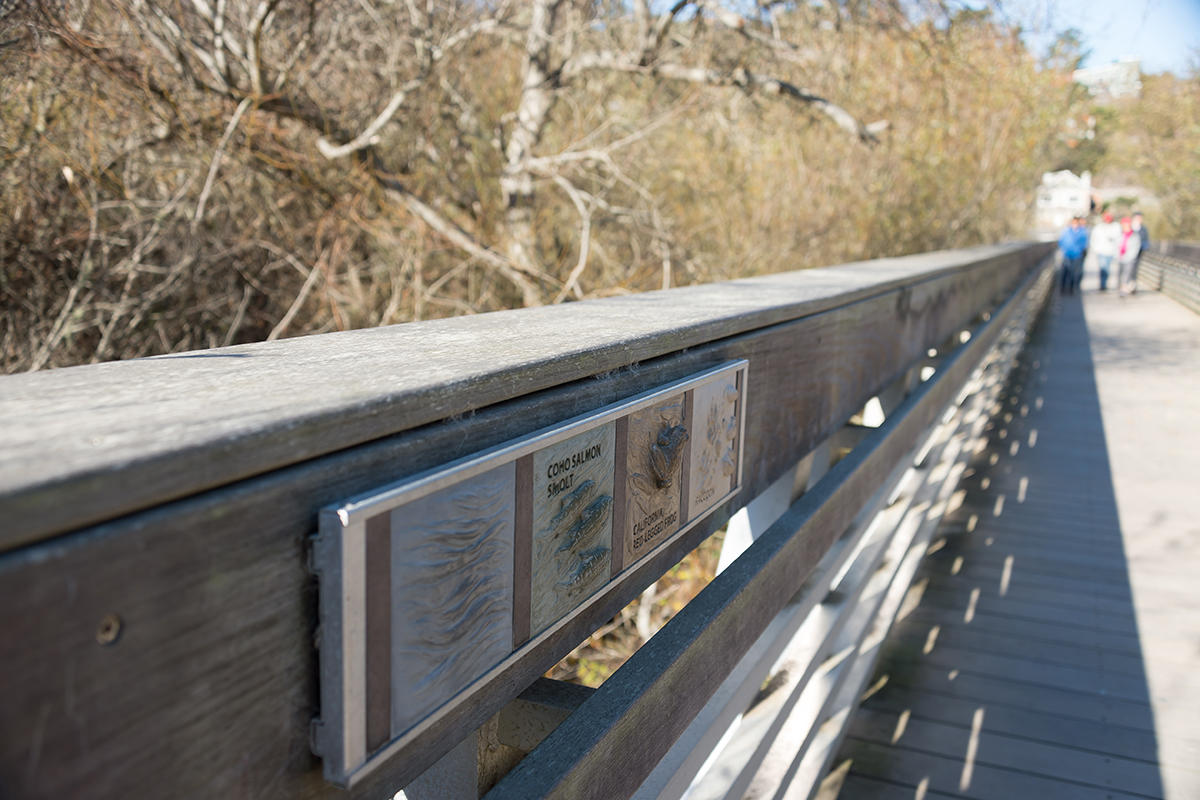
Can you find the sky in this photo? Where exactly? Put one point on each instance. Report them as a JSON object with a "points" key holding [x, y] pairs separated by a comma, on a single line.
{"points": [[1163, 34]]}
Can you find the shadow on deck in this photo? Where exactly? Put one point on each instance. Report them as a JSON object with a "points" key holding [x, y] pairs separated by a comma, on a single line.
{"points": [[1016, 667]]}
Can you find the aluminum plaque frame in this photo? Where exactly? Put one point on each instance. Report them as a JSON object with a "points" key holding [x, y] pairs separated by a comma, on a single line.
{"points": [[430, 585]]}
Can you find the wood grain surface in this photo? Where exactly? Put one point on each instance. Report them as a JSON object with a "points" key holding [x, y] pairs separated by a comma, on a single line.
{"points": [[118, 437]]}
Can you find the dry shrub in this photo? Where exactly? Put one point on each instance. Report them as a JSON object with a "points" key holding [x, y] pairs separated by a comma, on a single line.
{"points": [[153, 203]]}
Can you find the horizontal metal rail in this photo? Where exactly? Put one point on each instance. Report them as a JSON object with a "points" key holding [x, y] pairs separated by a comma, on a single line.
{"points": [[1173, 269]]}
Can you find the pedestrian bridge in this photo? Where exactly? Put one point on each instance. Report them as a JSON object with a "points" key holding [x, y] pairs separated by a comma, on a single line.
{"points": [[960, 525], [1047, 647]]}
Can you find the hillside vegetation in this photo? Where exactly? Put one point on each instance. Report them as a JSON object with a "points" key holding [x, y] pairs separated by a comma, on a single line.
{"points": [[1155, 140], [179, 175]]}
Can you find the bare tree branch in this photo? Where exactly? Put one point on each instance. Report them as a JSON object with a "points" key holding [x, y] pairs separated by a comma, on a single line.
{"points": [[515, 273], [258, 23], [740, 78], [369, 136], [585, 239], [773, 42], [310, 281], [198, 217], [533, 111], [664, 27], [432, 54]]}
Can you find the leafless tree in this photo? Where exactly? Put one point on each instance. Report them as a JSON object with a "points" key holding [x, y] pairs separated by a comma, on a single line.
{"points": [[289, 59], [189, 173]]}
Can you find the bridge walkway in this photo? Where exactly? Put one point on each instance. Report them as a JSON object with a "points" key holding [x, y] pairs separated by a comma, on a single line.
{"points": [[1048, 647]]}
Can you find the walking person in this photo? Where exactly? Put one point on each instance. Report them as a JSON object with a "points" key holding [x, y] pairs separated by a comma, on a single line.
{"points": [[1106, 238], [1128, 250], [1072, 244], [1141, 231], [1084, 234]]}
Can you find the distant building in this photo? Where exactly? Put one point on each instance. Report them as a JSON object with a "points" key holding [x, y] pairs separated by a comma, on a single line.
{"points": [[1113, 81], [1061, 196]]}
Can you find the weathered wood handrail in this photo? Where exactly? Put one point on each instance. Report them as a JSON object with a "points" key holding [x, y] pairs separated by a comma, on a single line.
{"points": [[157, 512], [1173, 268], [787, 571]]}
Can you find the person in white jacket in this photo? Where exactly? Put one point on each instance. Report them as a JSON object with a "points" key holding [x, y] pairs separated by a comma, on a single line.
{"points": [[1106, 240], [1127, 254]]}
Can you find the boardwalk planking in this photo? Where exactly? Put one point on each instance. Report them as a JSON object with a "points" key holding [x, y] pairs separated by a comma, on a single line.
{"points": [[1081, 672], [944, 774], [971, 639], [1010, 751], [1035, 725]]}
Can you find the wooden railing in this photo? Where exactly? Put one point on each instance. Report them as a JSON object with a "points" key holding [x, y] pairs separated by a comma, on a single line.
{"points": [[1173, 268], [158, 521]]}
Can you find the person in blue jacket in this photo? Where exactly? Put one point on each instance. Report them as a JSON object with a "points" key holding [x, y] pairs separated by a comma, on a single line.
{"points": [[1073, 245]]}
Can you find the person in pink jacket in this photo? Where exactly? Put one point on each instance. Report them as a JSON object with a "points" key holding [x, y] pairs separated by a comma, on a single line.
{"points": [[1128, 249]]}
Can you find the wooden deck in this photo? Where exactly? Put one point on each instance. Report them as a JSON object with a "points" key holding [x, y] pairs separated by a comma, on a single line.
{"points": [[1049, 644]]}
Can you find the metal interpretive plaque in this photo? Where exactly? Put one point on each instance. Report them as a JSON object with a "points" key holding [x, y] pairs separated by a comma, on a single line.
{"points": [[428, 587], [657, 441], [715, 442], [572, 523]]}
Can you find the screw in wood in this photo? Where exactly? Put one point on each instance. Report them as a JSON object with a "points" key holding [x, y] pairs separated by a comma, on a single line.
{"points": [[109, 630]]}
